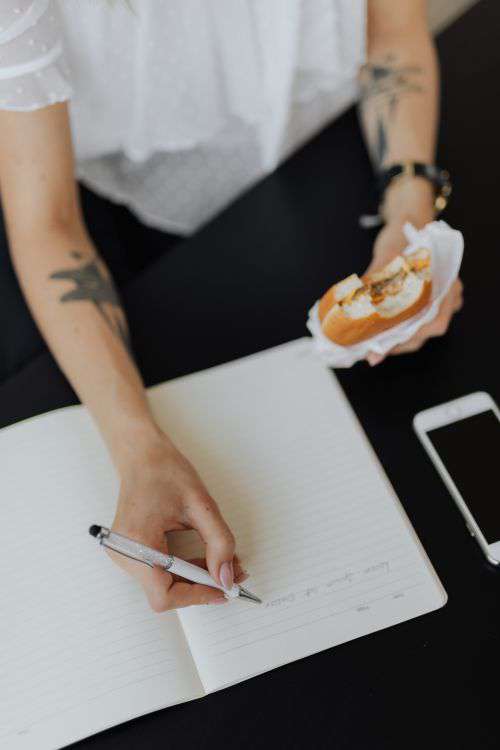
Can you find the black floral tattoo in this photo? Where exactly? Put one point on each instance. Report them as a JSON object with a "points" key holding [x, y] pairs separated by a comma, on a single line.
{"points": [[389, 81], [380, 146], [384, 84], [92, 284]]}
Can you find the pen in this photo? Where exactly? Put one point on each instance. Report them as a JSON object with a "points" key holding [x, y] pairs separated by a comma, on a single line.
{"points": [[175, 565]]}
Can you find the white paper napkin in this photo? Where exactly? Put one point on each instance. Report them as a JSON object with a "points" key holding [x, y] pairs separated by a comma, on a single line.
{"points": [[446, 245]]}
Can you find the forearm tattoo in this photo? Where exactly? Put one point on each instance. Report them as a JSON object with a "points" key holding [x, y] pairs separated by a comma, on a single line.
{"points": [[383, 85], [92, 284]]}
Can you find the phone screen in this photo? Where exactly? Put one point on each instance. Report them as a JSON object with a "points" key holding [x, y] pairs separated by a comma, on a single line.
{"points": [[470, 451]]}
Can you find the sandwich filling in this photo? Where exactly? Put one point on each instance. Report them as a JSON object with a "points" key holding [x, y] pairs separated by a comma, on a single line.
{"points": [[387, 292]]}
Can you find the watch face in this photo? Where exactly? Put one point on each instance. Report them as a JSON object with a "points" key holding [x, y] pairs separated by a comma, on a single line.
{"points": [[440, 203]]}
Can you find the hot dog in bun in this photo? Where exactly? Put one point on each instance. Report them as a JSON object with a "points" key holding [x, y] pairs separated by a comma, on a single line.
{"points": [[357, 308]]}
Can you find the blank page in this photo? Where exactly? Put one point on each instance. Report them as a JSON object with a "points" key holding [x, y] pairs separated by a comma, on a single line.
{"points": [[80, 650], [317, 523]]}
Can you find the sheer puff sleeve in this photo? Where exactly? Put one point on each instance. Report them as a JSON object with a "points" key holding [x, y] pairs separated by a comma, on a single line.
{"points": [[33, 71]]}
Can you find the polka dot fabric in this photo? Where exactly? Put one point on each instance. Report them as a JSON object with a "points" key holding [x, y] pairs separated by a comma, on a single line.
{"points": [[33, 71], [179, 106]]}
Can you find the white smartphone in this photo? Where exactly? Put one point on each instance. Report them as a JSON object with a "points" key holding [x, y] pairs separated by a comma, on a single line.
{"points": [[462, 438]]}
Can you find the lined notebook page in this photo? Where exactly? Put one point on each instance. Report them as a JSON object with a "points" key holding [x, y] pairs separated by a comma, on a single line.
{"points": [[317, 524], [79, 648]]}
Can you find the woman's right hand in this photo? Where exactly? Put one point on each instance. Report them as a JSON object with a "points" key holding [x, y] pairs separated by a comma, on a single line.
{"points": [[162, 492], [84, 325]]}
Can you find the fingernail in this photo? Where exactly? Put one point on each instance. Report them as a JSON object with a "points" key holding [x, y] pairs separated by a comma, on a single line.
{"points": [[374, 359], [222, 600], [226, 575]]}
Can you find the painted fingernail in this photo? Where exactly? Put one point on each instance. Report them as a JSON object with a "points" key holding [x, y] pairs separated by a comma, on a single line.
{"points": [[222, 600], [226, 575]]}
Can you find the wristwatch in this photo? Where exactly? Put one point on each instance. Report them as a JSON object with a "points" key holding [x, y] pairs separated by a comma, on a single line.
{"points": [[440, 178]]}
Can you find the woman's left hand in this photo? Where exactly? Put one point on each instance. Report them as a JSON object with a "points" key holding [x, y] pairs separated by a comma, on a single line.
{"points": [[389, 243]]}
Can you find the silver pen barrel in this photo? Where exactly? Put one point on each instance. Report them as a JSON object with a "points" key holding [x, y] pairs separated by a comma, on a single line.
{"points": [[130, 548], [152, 557]]}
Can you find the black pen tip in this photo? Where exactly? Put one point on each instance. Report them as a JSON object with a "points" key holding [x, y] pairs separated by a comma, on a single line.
{"points": [[95, 530]]}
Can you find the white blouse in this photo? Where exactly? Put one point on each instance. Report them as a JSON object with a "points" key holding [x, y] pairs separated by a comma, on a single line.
{"points": [[177, 106]]}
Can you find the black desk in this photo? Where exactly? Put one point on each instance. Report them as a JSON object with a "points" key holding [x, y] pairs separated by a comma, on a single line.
{"points": [[249, 277]]}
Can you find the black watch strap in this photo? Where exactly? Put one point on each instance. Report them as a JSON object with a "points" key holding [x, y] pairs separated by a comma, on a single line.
{"points": [[438, 177]]}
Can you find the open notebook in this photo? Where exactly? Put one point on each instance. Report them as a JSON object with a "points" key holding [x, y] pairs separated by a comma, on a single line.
{"points": [[319, 527]]}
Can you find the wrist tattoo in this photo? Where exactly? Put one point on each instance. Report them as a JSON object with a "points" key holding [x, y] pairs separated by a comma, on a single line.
{"points": [[384, 84], [93, 284]]}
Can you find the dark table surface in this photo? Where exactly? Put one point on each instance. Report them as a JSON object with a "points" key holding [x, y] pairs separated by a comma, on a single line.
{"points": [[249, 278]]}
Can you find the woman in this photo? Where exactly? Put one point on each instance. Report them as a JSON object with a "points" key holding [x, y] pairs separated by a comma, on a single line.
{"points": [[167, 99]]}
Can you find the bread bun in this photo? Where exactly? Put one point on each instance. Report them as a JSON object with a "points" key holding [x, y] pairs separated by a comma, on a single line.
{"points": [[355, 309]]}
